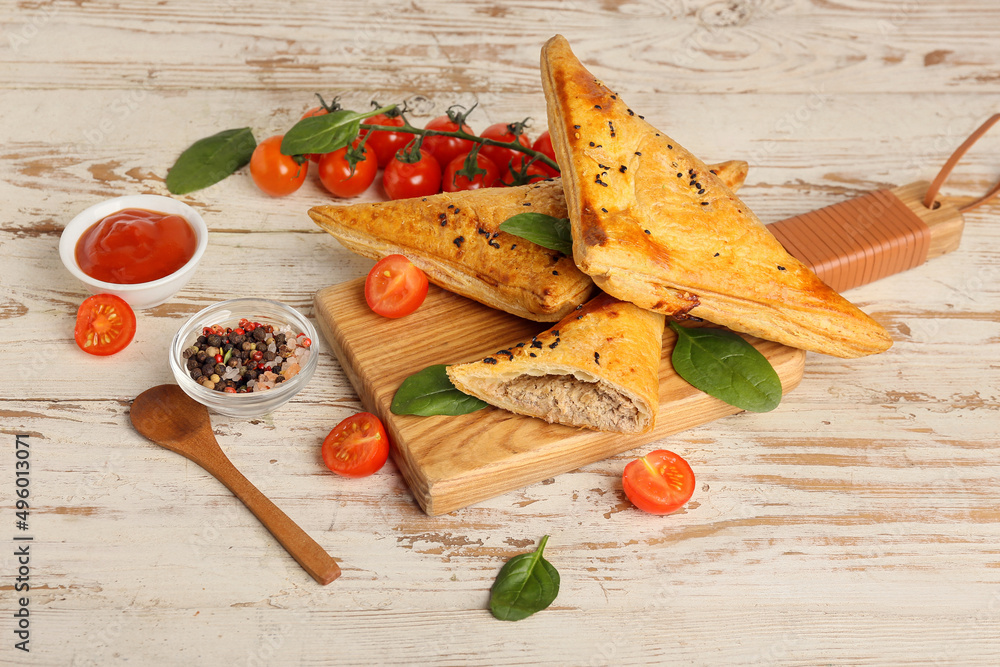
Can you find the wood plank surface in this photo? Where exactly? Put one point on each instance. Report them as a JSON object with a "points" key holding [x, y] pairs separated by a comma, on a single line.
{"points": [[452, 462], [855, 525]]}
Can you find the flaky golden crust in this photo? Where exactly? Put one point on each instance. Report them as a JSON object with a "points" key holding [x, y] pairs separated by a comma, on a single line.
{"points": [[518, 280], [611, 344], [653, 225], [454, 239]]}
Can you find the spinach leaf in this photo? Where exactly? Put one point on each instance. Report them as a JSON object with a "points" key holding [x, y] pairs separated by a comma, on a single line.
{"points": [[430, 392], [209, 160], [725, 366], [326, 133], [527, 583], [544, 230]]}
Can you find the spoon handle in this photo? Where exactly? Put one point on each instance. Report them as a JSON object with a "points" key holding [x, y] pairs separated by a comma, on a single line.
{"points": [[305, 550]]}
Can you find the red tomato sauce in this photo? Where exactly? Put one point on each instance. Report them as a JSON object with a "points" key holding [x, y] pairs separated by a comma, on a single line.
{"points": [[135, 246]]}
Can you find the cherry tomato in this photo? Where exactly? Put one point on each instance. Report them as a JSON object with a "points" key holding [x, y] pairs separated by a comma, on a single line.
{"points": [[276, 174], [454, 182], [395, 287], [543, 144], [385, 143], [659, 483], [336, 175], [502, 157], [534, 172], [105, 324], [357, 446], [446, 149], [315, 111], [412, 179]]}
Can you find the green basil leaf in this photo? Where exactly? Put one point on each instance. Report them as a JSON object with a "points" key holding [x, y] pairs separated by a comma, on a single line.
{"points": [[326, 133], [209, 160], [544, 230], [527, 583], [430, 392], [725, 366]]}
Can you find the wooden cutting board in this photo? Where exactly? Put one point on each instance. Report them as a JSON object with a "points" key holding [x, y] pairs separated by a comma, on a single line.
{"points": [[452, 462]]}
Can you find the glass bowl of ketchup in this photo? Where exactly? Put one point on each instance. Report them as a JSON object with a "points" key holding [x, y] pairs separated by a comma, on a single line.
{"points": [[143, 248]]}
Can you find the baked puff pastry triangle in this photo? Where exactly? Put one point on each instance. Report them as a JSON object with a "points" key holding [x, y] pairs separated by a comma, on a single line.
{"points": [[455, 239], [654, 226], [598, 368]]}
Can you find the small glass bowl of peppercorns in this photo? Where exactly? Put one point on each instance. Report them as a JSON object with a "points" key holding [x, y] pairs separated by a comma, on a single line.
{"points": [[244, 357]]}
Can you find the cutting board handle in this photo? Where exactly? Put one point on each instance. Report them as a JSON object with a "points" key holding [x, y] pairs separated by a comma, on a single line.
{"points": [[881, 233], [861, 240]]}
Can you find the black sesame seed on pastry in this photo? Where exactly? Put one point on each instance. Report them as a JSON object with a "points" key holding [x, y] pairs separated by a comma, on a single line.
{"points": [[653, 225], [454, 238]]}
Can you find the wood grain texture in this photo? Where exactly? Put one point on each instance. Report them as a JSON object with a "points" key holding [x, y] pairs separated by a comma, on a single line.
{"points": [[167, 416], [452, 462], [855, 525]]}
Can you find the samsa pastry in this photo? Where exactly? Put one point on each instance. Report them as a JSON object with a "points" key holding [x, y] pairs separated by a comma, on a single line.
{"points": [[654, 226]]}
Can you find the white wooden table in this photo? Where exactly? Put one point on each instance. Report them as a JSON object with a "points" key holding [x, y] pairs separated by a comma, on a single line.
{"points": [[856, 524]]}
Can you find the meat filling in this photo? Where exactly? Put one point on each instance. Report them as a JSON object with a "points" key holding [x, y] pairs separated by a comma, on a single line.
{"points": [[565, 399]]}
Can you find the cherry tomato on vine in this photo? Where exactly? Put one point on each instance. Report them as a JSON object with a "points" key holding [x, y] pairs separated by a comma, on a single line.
{"points": [[533, 172], [337, 176], [453, 181], [395, 287], [446, 149], [403, 180], [357, 446], [659, 483], [105, 324], [276, 174], [385, 143], [315, 111], [543, 144], [502, 157]]}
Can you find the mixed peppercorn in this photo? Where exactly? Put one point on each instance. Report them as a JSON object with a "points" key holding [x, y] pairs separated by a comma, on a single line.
{"points": [[250, 358]]}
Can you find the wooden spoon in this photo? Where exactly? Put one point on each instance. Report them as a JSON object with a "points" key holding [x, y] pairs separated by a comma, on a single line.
{"points": [[170, 418]]}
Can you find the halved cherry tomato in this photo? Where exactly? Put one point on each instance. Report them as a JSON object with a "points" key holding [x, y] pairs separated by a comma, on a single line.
{"points": [[543, 144], [395, 287], [503, 157], [337, 176], [446, 149], [385, 143], [453, 182], [357, 446], [659, 483], [533, 172], [105, 324], [403, 180], [274, 173], [315, 111]]}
